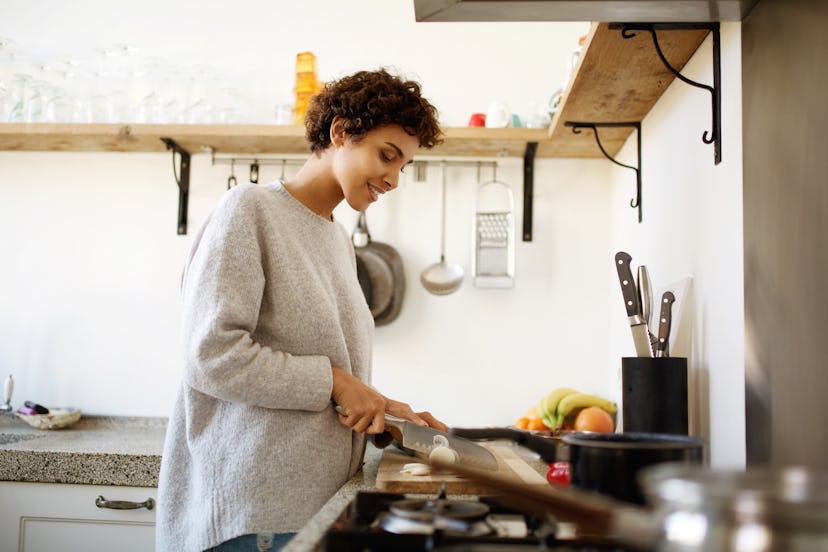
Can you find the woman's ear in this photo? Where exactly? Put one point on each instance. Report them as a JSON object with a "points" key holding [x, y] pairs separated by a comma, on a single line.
{"points": [[338, 133]]}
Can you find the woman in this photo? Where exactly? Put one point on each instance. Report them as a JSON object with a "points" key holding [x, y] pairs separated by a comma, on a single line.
{"points": [[276, 328]]}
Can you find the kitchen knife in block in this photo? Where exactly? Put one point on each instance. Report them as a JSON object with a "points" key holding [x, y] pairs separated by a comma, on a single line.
{"points": [[664, 323], [640, 333], [645, 299]]}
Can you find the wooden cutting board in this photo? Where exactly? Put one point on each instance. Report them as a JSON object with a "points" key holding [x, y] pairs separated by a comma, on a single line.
{"points": [[391, 479]]}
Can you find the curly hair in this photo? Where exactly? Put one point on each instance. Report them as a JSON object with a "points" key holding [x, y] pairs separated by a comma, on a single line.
{"points": [[367, 100]]}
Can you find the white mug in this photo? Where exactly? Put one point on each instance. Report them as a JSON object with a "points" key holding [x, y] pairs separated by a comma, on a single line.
{"points": [[498, 115]]}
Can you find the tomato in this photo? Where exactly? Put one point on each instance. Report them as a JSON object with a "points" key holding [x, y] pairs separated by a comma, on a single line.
{"points": [[595, 419], [558, 473]]}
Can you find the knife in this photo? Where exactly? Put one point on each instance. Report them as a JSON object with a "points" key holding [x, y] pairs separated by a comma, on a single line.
{"points": [[640, 333], [645, 298], [664, 323], [421, 440]]}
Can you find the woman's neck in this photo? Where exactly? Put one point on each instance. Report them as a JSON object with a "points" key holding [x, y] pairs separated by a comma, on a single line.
{"points": [[315, 187]]}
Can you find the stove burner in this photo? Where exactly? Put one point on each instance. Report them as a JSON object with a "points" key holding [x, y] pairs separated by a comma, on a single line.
{"points": [[424, 517], [428, 510]]}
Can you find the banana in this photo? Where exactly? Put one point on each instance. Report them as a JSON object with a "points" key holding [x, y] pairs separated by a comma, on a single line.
{"points": [[553, 399], [548, 405], [582, 400]]}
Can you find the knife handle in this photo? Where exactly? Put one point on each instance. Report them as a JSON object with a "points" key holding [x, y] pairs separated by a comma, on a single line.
{"points": [[628, 288], [664, 323]]}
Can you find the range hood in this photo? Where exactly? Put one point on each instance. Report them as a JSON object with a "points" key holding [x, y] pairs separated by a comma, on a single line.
{"points": [[621, 11]]}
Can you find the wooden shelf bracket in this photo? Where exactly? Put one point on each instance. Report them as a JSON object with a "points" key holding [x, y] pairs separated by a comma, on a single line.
{"points": [[576, 129], [714, 136], [182, 179]]}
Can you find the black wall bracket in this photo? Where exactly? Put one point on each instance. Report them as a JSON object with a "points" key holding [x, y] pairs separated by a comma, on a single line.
{"points": [[182, 178], [576, 129], [528, 188], [714, 136]]}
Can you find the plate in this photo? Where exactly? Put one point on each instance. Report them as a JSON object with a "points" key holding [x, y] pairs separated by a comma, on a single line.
{"points": [[55, 419]]}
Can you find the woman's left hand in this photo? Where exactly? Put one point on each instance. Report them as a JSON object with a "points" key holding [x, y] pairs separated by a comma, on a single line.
{"points": [[404, 411]]}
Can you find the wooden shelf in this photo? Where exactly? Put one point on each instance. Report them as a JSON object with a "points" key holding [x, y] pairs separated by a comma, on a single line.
{"points": [[617, 80], [239, 139]]}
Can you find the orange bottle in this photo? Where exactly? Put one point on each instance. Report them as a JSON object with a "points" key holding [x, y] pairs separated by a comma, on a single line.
{"points": [[306, 85]]}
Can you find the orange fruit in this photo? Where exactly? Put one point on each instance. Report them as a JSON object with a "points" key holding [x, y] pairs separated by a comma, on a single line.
{"points": [[594, 419], [537, 424]]}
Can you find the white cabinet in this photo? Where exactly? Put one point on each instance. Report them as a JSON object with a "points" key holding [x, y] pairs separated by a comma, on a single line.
{"points": [[41, 517]]}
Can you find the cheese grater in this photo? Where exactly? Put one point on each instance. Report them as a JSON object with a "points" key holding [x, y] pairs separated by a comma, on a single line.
{"points": [[494, 236]]}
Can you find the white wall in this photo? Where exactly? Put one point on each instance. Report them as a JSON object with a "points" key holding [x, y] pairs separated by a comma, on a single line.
{"points": [[90, 289], [91, 261], [693, 228]]}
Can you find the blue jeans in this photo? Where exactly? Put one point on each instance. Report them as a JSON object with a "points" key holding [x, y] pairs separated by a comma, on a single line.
{"points": [[263, 542]]}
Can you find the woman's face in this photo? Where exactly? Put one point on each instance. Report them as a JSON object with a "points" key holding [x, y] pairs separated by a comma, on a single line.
{"points": [[371, 166]]}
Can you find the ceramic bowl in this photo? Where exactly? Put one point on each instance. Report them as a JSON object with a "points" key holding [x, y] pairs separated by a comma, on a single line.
{"points": [[55, 419]]}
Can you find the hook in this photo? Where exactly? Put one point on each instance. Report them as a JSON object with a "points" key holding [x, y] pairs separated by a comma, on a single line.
{"points": [[254, 172], [282, 178], [232, 180]]}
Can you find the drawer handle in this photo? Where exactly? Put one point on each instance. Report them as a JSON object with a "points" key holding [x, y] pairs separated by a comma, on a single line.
{"points": [[101, 502]]}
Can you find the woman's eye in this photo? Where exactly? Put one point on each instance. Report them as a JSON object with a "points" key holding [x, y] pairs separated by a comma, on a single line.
{"points": [[386, 157]]}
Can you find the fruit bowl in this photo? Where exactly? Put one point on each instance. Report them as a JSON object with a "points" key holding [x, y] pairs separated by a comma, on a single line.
{"points": [[56, 418]]}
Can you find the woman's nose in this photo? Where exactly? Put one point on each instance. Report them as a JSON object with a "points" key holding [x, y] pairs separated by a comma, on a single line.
{"points": [[391, 180]]}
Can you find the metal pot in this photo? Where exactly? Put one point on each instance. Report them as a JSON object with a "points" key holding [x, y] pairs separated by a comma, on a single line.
{"points": [[609, 462], [757, 510], [696, 509]]}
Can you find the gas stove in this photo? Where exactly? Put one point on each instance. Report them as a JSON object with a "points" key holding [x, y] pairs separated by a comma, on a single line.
{"points": [[393, 522]]}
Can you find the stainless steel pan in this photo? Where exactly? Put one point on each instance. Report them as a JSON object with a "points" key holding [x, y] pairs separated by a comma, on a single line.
{"points": [[381, 266], [694, 508]]}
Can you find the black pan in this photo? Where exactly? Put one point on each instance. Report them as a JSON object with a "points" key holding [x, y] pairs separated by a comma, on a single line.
{"points": [[607, 463]]}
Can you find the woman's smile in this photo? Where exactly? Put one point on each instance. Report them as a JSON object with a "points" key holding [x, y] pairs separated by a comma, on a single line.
{"points": [[374, 192]]}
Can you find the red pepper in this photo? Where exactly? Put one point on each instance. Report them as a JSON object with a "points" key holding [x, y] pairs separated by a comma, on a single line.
{"points": [[558, 473]]}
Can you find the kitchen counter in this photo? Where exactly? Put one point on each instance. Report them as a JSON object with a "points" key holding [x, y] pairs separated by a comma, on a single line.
{"points": [[97, 450]]}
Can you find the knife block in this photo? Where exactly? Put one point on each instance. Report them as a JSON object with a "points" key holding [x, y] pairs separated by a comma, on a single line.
{"points": [[654, 397]]}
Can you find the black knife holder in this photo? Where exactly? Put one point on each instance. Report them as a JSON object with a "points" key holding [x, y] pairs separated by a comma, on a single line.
{"points": [[654, 398]]}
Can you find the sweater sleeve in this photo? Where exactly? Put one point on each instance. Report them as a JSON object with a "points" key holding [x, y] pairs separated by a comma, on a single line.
{"points": [[222, 296]]}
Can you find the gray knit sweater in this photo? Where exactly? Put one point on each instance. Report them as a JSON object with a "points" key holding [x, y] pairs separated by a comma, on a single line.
{"points": [[270, 302]]}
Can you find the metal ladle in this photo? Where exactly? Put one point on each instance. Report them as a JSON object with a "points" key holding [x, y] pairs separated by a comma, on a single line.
{"points": [[442, 278]]}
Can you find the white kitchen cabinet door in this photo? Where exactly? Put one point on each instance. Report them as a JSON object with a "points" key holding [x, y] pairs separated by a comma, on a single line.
{"points": [[44, 517]]}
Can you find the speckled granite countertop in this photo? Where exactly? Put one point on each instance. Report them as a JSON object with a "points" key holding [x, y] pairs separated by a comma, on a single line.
{"points": [[96, 450]]}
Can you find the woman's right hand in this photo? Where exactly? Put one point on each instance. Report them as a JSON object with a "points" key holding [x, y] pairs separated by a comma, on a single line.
{"points": [[364, 407]]}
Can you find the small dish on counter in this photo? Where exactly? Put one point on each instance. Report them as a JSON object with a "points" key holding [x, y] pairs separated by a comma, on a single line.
{"points": [[56, 418]]}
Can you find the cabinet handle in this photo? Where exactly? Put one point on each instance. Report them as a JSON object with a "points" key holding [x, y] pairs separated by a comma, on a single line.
{"points": [[101, 502]]}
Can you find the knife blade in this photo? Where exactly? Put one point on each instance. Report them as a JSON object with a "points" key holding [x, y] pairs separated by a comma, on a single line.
{"points": [[664, 324], [422, 441], [645, 298], [640, 333]]}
